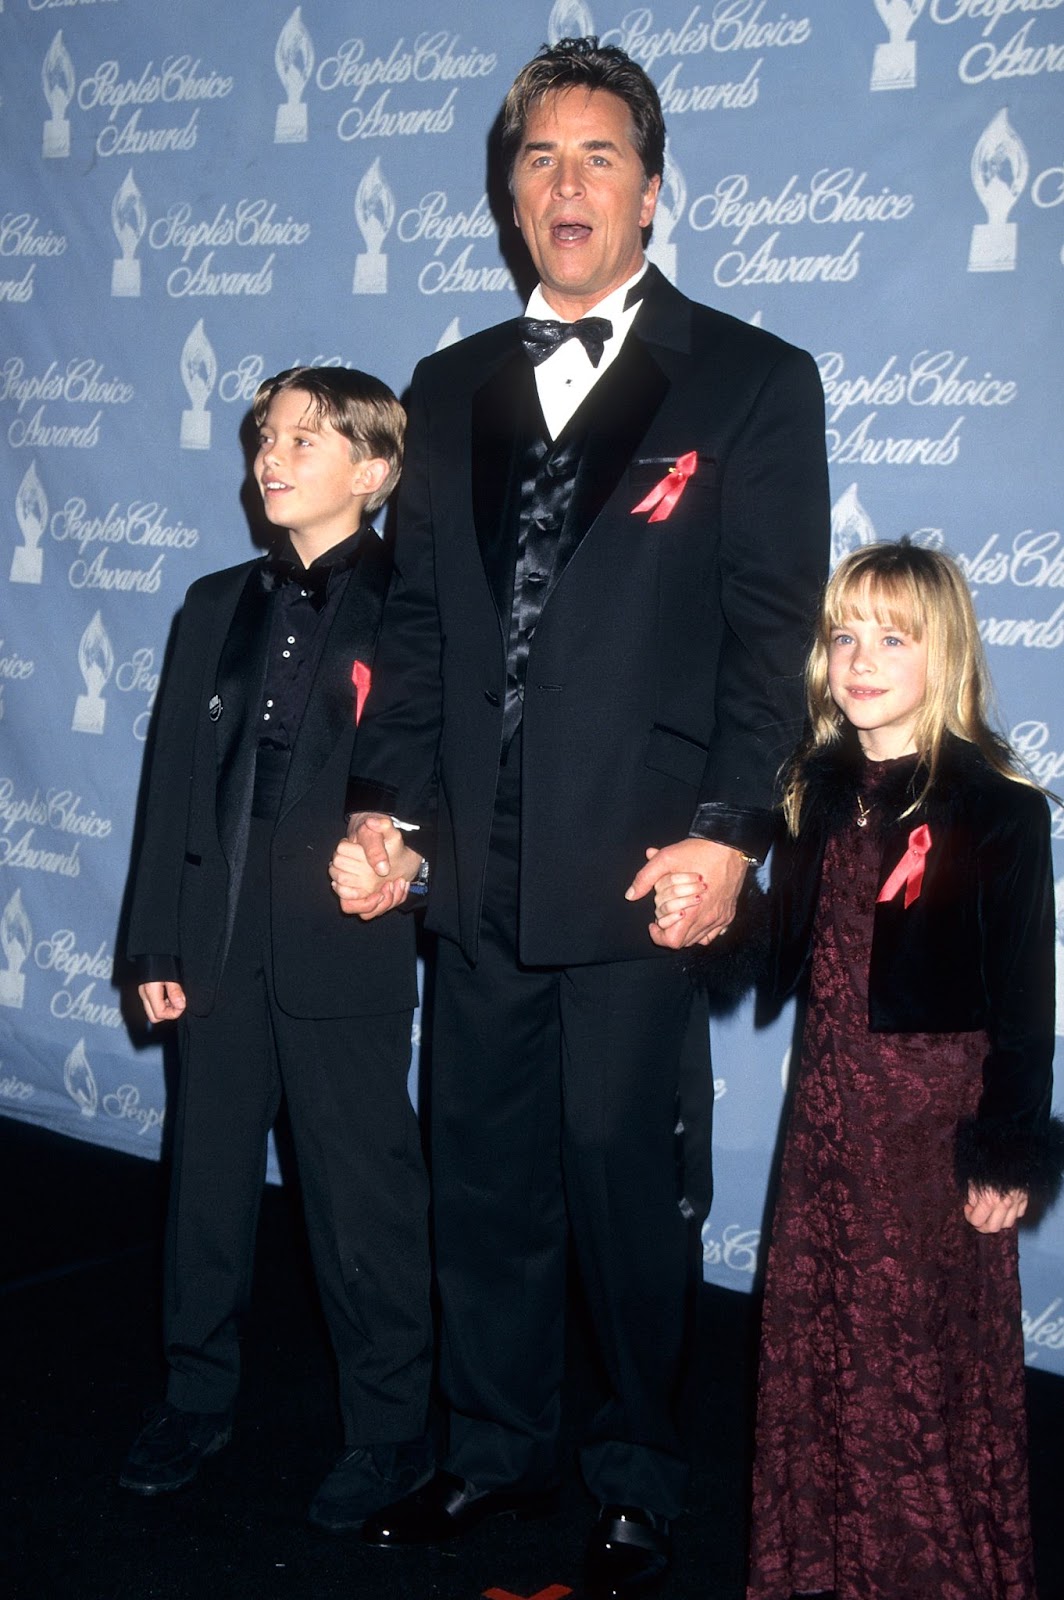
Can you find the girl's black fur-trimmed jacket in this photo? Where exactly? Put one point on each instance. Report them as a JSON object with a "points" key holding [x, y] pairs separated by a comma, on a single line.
{"points": [[975, 950]]}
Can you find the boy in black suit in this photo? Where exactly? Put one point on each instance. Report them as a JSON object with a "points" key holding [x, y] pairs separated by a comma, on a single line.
{"points": [[272, 988]]}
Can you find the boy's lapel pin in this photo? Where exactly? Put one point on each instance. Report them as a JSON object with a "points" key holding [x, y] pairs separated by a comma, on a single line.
{"points": [[214, 707]]}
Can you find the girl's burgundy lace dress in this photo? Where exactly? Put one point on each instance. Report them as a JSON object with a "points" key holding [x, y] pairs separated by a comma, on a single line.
{"points": [[891, 1453]]}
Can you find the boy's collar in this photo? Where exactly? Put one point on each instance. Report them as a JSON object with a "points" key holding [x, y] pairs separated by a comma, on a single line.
{"points": [[338, 555]]}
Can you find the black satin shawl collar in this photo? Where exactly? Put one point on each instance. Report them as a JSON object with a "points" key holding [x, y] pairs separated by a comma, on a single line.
{"points": [[613, 418], [238, 685]]}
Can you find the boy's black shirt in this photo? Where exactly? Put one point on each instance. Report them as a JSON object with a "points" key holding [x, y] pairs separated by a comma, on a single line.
{"points": [[304, 602]]}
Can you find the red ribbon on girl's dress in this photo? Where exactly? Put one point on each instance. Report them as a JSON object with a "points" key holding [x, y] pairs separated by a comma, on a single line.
{"points": [[361, 678], [910, 869], [664, 495]]}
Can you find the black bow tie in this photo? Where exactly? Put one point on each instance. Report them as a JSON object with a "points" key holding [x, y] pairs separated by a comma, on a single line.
{"points": [[542, 338], [278, 571]]}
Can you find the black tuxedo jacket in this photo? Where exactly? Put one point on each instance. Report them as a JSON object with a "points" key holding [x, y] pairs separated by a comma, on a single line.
{"points": [[198, 807], [663, 683]]}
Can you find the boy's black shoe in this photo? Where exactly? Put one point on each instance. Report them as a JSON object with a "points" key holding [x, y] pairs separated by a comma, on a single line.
{"points": [[366, 1478], [169, 1450]]}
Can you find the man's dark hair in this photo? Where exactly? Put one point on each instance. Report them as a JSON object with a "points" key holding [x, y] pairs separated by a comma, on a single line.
{"points": [[585, 64]]}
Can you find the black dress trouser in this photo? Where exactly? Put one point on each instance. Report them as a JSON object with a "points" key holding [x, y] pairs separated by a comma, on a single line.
{"points": [[363, 1184], [554, 1110]]}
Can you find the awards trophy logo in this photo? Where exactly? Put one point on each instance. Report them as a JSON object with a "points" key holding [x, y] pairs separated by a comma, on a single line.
{"points": [[672, 202], [31, 512], [129, 220], [57, 81], [569, 19], [16, 938], [851, 526], [294, 60], [79, 1082], [894, 63], [199, 373], [96, 661], [375, 214], [999, 177]]}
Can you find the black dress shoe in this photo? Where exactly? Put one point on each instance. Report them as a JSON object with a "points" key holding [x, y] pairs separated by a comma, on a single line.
{"points": [[447, 1506], [628, 1553], [172, 1446], [365, 1479]]}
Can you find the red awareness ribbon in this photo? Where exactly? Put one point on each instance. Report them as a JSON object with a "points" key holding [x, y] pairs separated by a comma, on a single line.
{"points": [[361, 677], [910, 869], [664, 495]]}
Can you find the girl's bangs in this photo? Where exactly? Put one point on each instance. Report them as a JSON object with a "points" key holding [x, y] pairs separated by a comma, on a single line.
{"points": [[890, 599]]}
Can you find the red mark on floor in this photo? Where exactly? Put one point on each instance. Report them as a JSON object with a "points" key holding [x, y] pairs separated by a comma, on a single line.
{"points": [[555, 1592]]}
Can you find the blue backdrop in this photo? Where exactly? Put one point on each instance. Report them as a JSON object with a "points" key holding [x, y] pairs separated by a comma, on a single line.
{"points": [[195, 196]]}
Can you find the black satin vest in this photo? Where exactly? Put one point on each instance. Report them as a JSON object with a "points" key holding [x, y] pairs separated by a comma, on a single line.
{"points": [[541, 478]]}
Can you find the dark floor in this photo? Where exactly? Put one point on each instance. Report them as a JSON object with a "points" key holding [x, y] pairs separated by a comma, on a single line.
{"points": [[79, 1362]]}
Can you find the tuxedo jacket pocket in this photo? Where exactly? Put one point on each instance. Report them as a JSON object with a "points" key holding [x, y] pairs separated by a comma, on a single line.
{"points": [[646, 471], [675, 755]]}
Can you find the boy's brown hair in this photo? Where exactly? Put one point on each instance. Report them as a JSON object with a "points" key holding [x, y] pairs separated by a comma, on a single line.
{"points": [[357, 405]]}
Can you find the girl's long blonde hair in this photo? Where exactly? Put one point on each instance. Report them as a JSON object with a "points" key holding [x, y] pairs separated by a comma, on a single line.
{"points": [[923, 593]]}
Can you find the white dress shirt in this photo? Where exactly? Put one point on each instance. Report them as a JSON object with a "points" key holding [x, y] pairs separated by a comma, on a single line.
{"points": [[567, 377]]}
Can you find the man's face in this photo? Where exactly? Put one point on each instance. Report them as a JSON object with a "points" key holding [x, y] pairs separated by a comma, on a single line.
{"points": [[581, 198]]}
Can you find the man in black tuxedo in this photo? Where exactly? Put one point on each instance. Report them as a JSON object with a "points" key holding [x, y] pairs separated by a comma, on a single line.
{"points": [[609, 549], [273, 990]]}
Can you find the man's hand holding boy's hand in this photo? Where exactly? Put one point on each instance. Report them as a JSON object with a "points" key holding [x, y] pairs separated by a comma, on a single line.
{"points": [[372, 868]]}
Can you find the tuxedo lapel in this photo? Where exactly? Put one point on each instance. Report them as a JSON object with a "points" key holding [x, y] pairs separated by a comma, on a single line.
{"points": [[330, 710], [616, 415], [506, 413], [238, 686]]}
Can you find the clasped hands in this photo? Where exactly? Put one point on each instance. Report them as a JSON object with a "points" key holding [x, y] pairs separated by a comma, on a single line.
{"points": [[372, 869], [695, 882]]}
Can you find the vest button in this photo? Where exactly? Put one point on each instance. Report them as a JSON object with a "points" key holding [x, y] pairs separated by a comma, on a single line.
{"points": [[491, 697]]}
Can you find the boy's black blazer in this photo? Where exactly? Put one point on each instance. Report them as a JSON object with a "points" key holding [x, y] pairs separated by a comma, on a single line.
{"points": [[198, 807]]}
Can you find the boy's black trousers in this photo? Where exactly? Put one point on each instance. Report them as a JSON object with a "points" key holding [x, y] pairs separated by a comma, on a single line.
{"points": [[362, 1178]]}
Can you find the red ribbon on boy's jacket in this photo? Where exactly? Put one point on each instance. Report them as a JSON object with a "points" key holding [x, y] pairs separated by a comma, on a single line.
{"points": [[664, 495], [910, 869], [361, 677]]}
